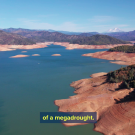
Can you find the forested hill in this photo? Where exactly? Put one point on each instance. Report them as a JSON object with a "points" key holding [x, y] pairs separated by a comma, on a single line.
{"points": [[125, 48], [26, 36], [44, 36], [14, 39], [127, 36], [98, 40]]}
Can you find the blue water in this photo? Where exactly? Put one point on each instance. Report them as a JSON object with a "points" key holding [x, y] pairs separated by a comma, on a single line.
{"points": [[30, 85]]}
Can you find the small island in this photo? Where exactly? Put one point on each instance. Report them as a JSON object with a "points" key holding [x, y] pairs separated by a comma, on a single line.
{"points": [[35, 54], [56, 55]]}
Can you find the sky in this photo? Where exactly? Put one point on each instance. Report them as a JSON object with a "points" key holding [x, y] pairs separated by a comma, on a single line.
{"points": [[68, 15]]}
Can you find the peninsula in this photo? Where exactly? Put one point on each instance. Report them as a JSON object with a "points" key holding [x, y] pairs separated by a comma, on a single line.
{"points": [[123, 55], [111, 96]]}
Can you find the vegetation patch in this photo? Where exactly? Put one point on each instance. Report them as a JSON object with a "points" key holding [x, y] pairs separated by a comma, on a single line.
{"points": [[124, 48], [126, 75]]}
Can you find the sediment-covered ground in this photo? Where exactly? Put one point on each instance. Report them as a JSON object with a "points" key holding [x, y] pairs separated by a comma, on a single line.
{"points": [[14, 47]]}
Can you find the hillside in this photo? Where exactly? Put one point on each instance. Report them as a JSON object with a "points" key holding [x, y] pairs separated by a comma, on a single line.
{"points": [[45, 36], [98, 40], [89, 34], [42, 36], [125, 48], [14, 39], [127, 36]]}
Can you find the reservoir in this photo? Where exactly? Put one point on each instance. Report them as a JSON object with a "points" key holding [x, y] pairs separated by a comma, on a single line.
{"points": [[30, 85]]}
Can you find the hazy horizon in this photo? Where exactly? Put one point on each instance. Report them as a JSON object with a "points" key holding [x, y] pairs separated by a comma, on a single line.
{"points": [[61, 30]]}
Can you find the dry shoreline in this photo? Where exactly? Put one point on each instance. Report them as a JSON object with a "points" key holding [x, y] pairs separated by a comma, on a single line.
{"points": [[97, 95], [120, 58], [65, 44]]}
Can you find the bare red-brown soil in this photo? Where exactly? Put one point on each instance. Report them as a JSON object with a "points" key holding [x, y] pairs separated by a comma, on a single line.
{"points": [[98, 95]]}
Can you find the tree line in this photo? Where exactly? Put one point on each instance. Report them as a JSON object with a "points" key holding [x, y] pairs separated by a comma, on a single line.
{"points": [[124, 48]]}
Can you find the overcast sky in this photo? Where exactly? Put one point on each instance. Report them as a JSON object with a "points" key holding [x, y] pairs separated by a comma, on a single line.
{"points": [[68, 15]]}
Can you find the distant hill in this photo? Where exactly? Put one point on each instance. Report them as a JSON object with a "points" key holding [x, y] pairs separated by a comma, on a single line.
{"points": [[51, 36], [16, 30], [67, 32], [42, 36], [89, 34], [89, 38], [14, 39], [127, 36], [19, 30], [98, 40]]}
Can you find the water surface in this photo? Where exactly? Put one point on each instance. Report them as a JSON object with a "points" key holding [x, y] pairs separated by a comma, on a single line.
{"points": [[30, 85]]}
